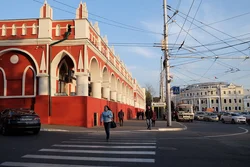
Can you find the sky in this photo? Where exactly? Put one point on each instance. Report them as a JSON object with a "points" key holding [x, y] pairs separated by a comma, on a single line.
{"points": [[216, 51]]}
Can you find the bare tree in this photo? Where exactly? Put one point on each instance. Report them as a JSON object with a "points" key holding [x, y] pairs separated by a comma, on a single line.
{"points": [[150, 92]]}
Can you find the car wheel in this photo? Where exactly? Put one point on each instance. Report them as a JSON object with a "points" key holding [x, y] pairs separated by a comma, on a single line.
{"points": [[4, 130], [233, 122], [223, 121], [36, 131]]}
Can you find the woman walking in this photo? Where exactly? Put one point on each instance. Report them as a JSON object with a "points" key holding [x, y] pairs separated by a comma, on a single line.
{"points": [[107, 117]]}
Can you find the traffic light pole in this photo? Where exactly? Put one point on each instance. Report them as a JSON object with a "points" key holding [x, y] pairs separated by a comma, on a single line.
{"points": [[49, 68], [167, 69]]}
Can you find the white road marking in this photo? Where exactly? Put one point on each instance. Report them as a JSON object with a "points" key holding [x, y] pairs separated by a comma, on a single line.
{"points": [[116, 140], [110, 142], [107, 159], [30, 164], [185, 127], [122, 138], [227, 135], [99, 146], [100, 151]]}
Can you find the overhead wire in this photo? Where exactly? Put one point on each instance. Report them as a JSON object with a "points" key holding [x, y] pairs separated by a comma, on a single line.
{"points": [[183, 23], [189, 28], [186, 19]]}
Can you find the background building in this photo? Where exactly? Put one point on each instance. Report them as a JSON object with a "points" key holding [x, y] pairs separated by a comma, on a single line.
{"points": [[86, 73], [219, 96]]}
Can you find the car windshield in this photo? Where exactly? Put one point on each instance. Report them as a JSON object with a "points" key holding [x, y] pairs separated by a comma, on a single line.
{"points": [[22, 112], [185, 109], [235, 114]]}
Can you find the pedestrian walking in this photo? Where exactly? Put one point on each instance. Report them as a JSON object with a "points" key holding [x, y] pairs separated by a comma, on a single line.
{"points": [[149, 115], [154, 118], [106, 118], [121, 116]]}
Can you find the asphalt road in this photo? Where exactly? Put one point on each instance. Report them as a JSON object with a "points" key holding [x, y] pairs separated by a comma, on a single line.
{"points": [[203, 144]]}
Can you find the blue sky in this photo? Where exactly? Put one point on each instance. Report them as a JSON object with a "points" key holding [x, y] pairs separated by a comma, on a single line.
{"points": [[142, 59]]}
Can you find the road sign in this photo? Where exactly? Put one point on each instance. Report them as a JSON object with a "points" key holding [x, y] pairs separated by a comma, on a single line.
{"points": [[176, 90]]}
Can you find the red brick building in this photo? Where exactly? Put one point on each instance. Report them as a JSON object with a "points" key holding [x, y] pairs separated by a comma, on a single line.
{"points": [[85, 72]]}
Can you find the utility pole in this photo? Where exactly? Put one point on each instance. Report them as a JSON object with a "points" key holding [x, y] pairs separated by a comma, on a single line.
{"points": [[166, 65], [161, 82], [66, 35]]}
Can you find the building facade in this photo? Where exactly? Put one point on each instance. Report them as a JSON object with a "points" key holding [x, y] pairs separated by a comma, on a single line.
{"points": [[84, 72], [217, 96]]}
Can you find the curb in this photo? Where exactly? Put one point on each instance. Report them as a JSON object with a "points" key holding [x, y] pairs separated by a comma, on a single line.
{"points": [[124, 131]]}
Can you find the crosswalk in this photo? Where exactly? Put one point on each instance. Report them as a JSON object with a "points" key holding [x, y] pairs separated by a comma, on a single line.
{"points": [[92, 151]]}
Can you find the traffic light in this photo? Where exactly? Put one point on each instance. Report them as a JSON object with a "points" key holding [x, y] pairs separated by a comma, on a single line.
{"points": [[69, 28]]}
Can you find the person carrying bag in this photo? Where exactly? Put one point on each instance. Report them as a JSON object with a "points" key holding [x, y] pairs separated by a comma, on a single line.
{"points": [[107, 118]]}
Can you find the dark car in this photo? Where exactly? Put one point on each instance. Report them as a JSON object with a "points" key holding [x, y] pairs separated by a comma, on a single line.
{"points": [[19, 120]]}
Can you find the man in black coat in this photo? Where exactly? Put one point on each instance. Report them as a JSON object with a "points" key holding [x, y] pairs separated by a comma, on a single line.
{"points": [[149, 115]]}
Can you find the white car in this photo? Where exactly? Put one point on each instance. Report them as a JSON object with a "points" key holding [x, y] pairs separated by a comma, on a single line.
{"points": [[233, 118]]}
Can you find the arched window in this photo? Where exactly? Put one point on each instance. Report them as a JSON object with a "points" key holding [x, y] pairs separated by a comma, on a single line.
{"points": [[34, 29], [13, 29], [62, 78], [24, 29], [58, 30], [3, 30]]}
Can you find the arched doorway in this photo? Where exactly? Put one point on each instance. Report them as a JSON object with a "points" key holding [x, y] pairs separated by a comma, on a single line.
{"points": [[66, 82]]}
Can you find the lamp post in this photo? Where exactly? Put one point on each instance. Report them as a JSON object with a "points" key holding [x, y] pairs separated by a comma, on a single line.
{"points": [[66, 35]]}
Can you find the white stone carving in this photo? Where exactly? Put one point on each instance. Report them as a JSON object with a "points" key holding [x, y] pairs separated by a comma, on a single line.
{"points": [[80, 62], [43, 65], [14, 59]]}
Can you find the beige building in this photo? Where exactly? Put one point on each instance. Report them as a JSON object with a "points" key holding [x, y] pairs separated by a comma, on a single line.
{"points": [[220, 96]]}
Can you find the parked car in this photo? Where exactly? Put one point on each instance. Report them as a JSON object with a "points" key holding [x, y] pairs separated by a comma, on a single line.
{"points": [[19, 120], [211, 117], [233, 118], [199, 116]]}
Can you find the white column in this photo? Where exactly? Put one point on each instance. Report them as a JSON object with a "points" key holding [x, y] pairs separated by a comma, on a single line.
{"points": [[106, 92], [119, 99], [43, 85], [219, 104], [124, 99], [82, 84], [96, 89], [113, 95], [199, 104], [207, 102]]}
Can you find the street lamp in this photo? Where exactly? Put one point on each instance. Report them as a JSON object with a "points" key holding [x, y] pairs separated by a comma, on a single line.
{"points": [[66, 35]]}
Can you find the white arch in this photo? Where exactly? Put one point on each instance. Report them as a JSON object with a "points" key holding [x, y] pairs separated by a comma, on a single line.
{"points": [[109, 78], [54, 65], [60, 65], [24, 51], [4, 82], [57, 60], [93, 57], [24, 77]]}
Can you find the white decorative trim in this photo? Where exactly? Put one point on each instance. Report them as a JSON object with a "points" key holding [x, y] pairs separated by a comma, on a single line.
{"points": [[24, 78], [4, 82], [80, 61], [24, 51], [42, 65], [14, 59], [47, 58], [10, 97]]}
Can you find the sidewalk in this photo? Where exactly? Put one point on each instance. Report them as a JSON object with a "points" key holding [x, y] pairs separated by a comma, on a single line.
{"points": [[128, 126]]}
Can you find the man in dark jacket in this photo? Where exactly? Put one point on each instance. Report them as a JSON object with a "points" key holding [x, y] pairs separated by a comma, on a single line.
{"points": [[149, 115], [121, 116]]}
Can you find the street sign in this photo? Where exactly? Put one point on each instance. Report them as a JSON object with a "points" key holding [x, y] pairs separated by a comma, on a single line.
{"points": [[176, 90]]}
